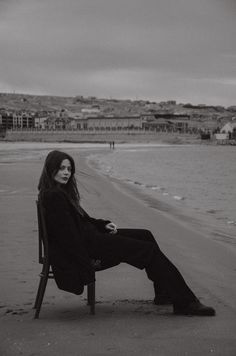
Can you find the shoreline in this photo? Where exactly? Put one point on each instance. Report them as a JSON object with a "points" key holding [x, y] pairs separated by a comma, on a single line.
{"points": [[167, 204], [126, 321]]}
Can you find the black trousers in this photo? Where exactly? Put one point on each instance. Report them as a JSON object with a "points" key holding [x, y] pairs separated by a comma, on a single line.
{"points": [[139, 248]]}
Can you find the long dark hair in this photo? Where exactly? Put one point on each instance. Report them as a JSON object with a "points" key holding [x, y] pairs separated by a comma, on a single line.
{"points": [[51, 166]]}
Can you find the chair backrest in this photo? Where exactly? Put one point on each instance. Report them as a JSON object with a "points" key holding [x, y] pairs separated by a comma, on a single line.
{"points": [[42, 233]]}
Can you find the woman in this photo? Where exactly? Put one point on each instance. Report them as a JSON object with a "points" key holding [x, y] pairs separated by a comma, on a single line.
{"points": [[75, 239]]}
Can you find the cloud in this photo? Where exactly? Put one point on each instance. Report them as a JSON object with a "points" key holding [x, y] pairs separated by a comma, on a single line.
{"points": [[64, 46]]}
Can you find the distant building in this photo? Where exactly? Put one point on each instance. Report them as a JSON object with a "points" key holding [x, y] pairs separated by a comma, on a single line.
{"points": [[40, 122], [78, 123], [89, 122], [94, 110], [230, 129], [171, 102], [23, 120], [114, 123], [6, 120], [55, 123], [166, 122], [16, 120], [158, 125]]}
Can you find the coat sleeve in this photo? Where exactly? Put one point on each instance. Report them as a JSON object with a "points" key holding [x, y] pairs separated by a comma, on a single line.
{"points": [[63, 230], [99, 223]]}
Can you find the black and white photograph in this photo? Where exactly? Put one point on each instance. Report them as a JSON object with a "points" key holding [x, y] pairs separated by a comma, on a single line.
{"points": [[117, 177]]}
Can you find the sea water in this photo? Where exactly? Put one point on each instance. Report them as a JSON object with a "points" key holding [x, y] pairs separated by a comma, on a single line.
{"points": [[198, 180]]}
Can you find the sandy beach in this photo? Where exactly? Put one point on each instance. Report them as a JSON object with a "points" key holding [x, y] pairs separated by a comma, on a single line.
{"points": [[126, 321]]}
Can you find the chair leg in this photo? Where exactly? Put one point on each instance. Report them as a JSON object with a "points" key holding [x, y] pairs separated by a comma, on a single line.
{"points": [[40, 295], [88, 294], [38, 292], [91, 297]]}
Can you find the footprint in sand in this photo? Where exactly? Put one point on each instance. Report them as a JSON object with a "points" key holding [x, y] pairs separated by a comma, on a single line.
{"points": [[19, 311]]}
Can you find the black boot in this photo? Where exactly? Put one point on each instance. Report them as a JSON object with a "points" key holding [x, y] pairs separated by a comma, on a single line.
{"points": [[194, 308]]}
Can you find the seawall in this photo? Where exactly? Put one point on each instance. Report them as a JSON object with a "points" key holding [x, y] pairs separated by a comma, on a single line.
{"points": [[86, 136]]}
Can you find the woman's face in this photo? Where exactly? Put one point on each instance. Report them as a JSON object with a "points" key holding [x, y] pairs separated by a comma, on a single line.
{"points": [[64, 172]]}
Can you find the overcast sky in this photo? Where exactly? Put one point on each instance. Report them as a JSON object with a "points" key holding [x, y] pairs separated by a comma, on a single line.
{"points": [[139, 49]]}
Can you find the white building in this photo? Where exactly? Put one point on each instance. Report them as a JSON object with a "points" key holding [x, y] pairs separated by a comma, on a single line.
{"points": [[229, 127], [40, 122], [114, 123]]}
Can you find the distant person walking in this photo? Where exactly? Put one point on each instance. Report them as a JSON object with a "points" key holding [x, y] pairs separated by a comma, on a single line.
{"points": [[75, 239], [112, 144]]}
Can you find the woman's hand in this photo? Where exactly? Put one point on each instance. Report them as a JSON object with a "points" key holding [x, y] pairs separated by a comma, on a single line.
{"points": [[112, 228]]}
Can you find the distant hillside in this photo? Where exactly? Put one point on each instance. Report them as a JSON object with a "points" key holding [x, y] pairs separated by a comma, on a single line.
{"points": [[35, 103]]}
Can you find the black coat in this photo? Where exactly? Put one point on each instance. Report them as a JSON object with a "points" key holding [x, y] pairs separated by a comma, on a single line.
{"points": [[68, 235]]}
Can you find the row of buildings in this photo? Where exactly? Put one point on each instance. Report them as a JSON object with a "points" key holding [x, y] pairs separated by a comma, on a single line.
{"points": [[93, 121]]}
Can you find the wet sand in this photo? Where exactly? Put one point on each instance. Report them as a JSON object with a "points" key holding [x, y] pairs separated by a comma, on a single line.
{"points": [[126, 321]]}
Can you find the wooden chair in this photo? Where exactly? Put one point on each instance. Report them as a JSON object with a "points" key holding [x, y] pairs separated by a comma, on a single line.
{"points": [[47, 272]]}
